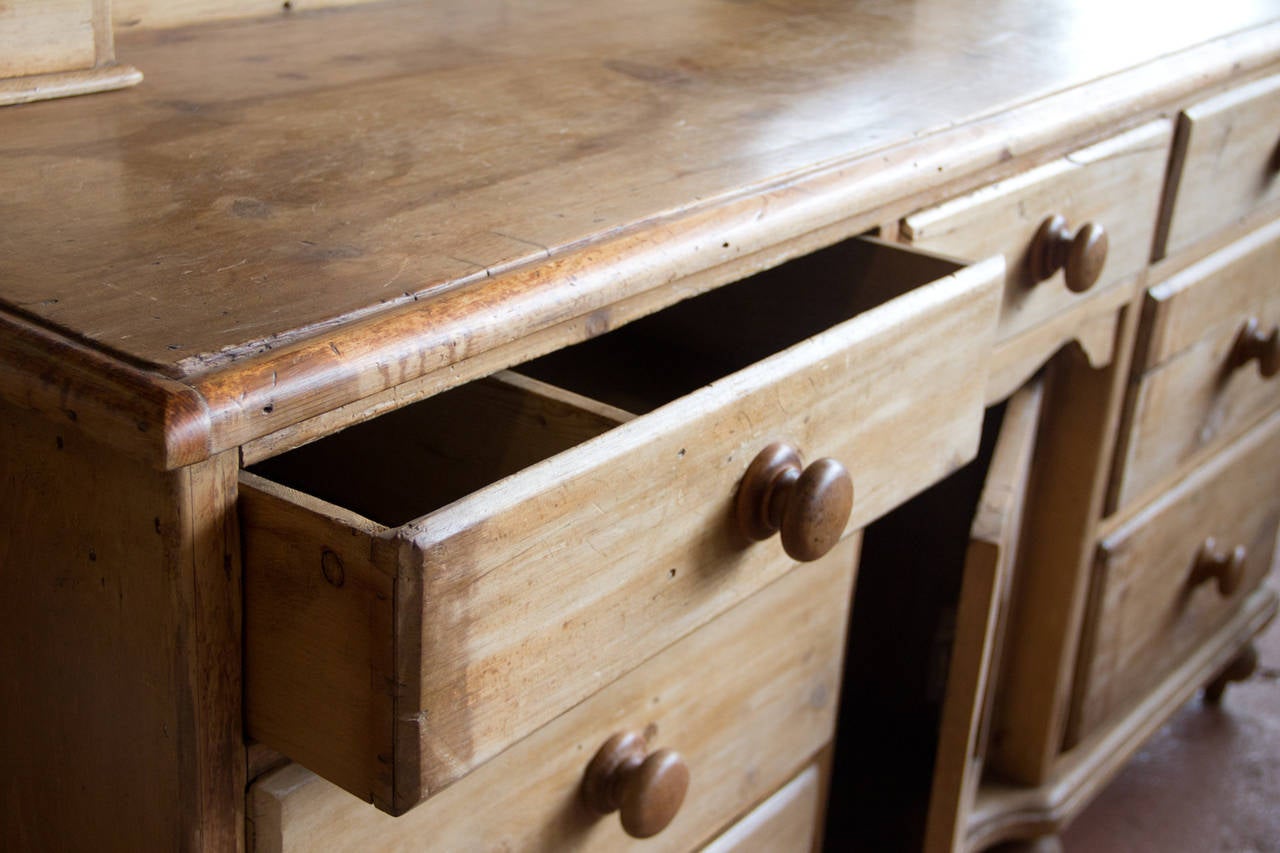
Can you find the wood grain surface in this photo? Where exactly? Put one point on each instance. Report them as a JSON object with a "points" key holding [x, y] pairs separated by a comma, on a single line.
{"points": [[981, 615], [1225, 163], [120, 700], [1148, 612], [697, 697], [1187, 399], [649, 507], [276, 178]]}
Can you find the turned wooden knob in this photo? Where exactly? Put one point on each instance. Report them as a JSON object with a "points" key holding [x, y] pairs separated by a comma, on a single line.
{"points": [[647, 789], [810, 505], [1227, 567], [1082, 255], [1252, 344]]}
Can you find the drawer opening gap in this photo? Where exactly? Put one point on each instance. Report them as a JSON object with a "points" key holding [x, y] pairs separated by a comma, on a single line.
{"points": [[657, 359]]}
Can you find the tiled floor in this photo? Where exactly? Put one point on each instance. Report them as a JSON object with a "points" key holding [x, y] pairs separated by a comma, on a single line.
{"points": [[1209, 781]]}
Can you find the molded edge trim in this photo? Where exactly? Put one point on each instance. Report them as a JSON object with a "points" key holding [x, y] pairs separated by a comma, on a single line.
{"points": [[161, 421]]}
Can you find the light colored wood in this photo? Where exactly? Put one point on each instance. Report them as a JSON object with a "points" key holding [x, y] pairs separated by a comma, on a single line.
{"points": [[485, 661], [1150, 611], [1115, 184], [66, 84], [878, 176], [1091, 323], [160, 14], [784, 822], [56, 49], [123, 638], [857, 172], [75, 388], [1224, 162], [315, 633], [779, 709], [1189, 400], [1005, 811], [1073, 458], [43, 36], [980, 616]]}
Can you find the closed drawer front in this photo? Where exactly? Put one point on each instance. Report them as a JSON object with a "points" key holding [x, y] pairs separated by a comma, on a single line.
{"points": [[1165, 580], [1207, 363], [744, 701], [1112, 189], [395, 659], [1225, 162], [787, 821]]}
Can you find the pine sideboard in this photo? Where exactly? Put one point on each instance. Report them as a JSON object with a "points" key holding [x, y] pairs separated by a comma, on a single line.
{"points": [[680, 424]]}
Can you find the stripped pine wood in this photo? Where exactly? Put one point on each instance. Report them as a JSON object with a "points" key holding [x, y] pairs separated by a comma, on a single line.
{"points": [[463, 572], [1115, 184], [1081, 410], [127, 645], [980, 617], [1189, 398], [777, 709], [1150, 613], [1224, 163]]}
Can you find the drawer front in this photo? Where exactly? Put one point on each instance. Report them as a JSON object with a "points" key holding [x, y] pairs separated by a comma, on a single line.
{"points": [[741, 730], [1199, 381], [1225, 162], [486, 619], [1160, 587], [787, 821], [1115, 185]]}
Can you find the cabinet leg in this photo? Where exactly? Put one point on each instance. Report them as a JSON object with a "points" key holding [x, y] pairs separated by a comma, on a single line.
{"points": [[1241, 667]]}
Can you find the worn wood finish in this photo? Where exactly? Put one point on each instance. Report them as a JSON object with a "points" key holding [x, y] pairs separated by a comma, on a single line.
{"points": [[158, 420], [66, 84], [417, 218], [1011, 811], [779, 710], [1190, 397], [980, 619], [485, 663], [159, 14], [123, 647], [1073, 458], [43, 36], [58, 48], [1113, 185], [1151, 607], [876, 173], [1225, 163], [786, 821], [1091, 324]]}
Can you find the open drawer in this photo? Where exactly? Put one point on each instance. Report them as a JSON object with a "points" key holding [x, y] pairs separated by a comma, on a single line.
{"points": [[425, 589]]}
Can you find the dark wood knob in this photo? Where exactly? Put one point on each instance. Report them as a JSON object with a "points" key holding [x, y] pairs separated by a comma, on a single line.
{"points": [[1226, 567], [647, 789], [1252, 344], [811, 506], [1082, 255]]}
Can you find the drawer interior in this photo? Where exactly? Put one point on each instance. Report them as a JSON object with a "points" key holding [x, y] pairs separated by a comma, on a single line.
{"points": [[417, 459], [666, 355]]}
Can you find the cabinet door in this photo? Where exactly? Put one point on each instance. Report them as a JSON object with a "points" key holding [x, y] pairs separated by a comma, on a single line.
{"points": [[980, 618]]}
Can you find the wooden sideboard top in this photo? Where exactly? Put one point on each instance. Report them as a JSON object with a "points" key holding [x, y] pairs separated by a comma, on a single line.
{"points": [[294, 214]]}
